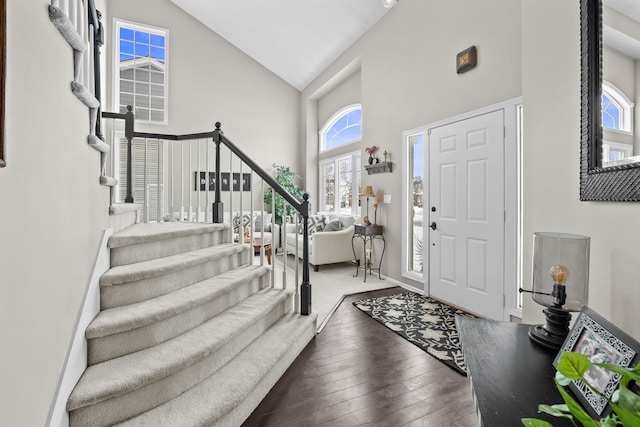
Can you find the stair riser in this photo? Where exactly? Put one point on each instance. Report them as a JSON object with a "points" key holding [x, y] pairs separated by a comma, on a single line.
{"points": [[135, 402], [111, 346], [153, 250], [143, 289]]}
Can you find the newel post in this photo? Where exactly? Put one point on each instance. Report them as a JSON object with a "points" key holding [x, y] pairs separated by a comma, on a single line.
{"points": [[217, 208], [305, 287], [128, 133]]}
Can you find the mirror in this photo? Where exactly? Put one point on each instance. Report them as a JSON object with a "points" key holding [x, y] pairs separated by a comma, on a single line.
{"points": [[610, 62]]}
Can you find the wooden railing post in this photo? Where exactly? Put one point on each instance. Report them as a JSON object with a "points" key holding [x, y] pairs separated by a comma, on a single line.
{"points": [[218, 207], [305, 287], [128, 133]]}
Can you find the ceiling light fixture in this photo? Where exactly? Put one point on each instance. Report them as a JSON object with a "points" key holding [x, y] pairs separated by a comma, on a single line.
{"points": [[389, 3]]}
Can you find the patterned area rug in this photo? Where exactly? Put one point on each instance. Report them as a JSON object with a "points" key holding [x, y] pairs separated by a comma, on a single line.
{"points": [[423, 321]]}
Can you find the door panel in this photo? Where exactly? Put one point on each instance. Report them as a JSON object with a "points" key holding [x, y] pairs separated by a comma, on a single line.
{"points": [[466, 184]]}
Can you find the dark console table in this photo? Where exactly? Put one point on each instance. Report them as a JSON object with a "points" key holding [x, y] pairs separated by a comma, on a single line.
{"points": [[510, 375], [367, 233]]}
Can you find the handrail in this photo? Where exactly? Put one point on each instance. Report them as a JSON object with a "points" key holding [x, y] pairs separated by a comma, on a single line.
{"points": [[217, 209]]}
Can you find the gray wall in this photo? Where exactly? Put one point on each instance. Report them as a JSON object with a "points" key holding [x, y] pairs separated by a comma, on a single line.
{"points": [[551, 161], [210, 80], [53, 213], [408, 79]]}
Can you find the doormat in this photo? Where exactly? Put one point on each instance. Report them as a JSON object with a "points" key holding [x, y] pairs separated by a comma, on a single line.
{"points": [[423, 321]]}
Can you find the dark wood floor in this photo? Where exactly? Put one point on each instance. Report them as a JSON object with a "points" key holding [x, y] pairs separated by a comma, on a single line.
{"points": [[356, 372]]}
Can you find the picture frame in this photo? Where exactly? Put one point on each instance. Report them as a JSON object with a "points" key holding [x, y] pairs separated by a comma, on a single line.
{"points": [[603, 342], [203, 182], [466, 60], [225, 181]]}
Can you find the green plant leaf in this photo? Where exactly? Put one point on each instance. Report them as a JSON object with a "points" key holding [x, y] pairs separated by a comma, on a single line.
{"points": [[633, 374], [562, 380], [578, 412], [534, 422], [573, 365], [561, 411], [609, 421], [627, 418], [629, 400]]}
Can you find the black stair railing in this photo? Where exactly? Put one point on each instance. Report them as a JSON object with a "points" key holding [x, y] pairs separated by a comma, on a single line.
{"points": [[301, 207], [218, 137]]}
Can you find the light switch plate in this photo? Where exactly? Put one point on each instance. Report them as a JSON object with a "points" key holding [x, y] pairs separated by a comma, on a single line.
{"points": [[387, 198]]}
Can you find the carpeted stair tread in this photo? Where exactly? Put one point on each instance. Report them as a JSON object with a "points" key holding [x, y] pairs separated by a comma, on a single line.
{"points": [[152, 232], [132, 316], [158, 267], [216, 399], [127, 373]]}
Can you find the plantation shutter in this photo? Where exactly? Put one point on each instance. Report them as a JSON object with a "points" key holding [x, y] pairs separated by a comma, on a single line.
{"points": [[153, 208]]}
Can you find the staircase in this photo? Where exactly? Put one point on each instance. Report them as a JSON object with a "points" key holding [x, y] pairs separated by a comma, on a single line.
{"points": [[189, 332]]}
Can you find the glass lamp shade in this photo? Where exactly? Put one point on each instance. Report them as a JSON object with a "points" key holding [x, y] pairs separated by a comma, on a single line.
{"points": [[561, 258]]}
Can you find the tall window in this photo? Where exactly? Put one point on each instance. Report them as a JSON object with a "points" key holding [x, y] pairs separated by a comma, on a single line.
{"points": [[413, 254], [344, 127], [340, 181], [141, 71], [340, 176], [617, 109], [617, 122]]}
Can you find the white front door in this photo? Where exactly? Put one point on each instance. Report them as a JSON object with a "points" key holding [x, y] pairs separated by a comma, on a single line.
{"points": [[467, 213]]}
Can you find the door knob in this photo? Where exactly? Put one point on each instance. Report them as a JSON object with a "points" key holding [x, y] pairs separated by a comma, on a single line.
{"points": [[433, 225]]}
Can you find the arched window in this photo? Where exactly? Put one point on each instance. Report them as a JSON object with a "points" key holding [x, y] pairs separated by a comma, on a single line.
{"points": [[342, 128], [617, 109]]}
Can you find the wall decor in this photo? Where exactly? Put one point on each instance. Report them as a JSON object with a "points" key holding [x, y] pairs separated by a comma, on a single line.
{"points": [[602, 342], [3, 74], [226, 180], [246, 181], [466, 60], [203, 181]]}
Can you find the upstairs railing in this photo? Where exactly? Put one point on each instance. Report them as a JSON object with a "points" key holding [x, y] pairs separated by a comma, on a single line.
{"points": [[159, 172]]}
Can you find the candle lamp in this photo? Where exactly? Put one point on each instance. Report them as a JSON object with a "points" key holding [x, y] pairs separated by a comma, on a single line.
{"points": [[560, 282]]}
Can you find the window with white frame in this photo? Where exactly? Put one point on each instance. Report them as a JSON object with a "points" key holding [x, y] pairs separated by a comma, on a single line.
{"points": [[617, 109], [413, 186], [617, 124], [340, 184], [344, 127], [141, 71]]}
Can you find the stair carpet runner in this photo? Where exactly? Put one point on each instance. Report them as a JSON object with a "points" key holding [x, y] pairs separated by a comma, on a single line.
{"points": [[189, 333]]}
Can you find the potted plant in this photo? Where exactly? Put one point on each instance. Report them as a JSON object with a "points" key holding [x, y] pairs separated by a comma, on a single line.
{"points": [[287, 179], [624, 402]]}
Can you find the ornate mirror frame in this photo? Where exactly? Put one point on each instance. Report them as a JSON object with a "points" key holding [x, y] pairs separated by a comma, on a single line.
{"points": [[613, 183], [3, 75]]}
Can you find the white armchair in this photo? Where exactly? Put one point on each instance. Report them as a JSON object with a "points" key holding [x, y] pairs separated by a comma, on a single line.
{"points": [[325, 247]]}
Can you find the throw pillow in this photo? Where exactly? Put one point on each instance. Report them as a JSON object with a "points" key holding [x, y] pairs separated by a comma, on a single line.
{"points": [[260, 225], [315, 223], [333, 225]]}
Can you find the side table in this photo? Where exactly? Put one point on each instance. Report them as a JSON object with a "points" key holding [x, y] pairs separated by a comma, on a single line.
{"points": [[367, 233]]}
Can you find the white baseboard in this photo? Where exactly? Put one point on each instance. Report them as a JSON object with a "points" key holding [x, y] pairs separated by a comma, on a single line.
{"points": [[76, 360]]}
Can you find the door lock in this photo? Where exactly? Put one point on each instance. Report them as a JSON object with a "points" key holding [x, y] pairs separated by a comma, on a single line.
{"points": [[433, 225]]}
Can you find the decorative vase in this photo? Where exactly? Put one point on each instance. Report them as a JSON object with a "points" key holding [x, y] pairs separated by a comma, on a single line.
{"points": [[370, 160], [376, 160]]}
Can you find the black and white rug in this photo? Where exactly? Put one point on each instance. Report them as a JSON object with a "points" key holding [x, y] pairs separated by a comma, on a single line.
{"points": [[423, 321]]}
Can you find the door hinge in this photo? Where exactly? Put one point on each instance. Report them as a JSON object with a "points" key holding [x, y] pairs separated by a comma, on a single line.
{"points": [[505, 217]]}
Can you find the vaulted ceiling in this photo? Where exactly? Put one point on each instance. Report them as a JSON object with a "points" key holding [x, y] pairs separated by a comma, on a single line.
{"points": [[295, 39]]}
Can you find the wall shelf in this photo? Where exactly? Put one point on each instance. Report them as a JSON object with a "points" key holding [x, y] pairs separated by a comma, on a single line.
{"points": [[379, 167]]}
